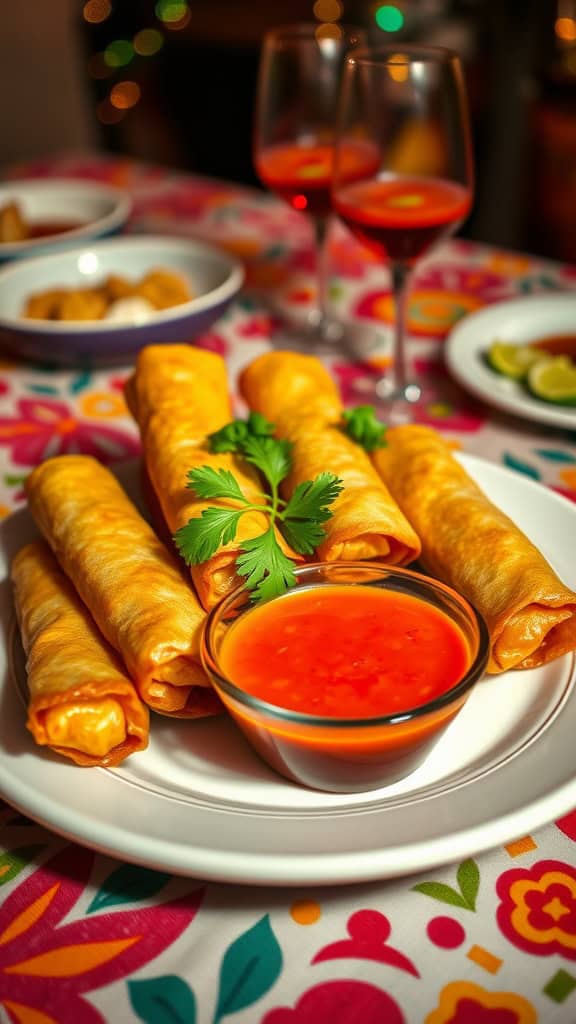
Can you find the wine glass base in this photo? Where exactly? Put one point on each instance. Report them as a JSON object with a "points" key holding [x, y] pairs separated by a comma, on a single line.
{"points": [[321, 335]]}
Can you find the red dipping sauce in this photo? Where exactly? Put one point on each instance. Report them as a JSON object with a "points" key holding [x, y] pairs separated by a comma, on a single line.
{"points": [[345, 652], [348, 680]]}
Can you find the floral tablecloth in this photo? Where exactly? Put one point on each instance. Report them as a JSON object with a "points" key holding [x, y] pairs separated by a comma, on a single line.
{"points": [[84, 938]]}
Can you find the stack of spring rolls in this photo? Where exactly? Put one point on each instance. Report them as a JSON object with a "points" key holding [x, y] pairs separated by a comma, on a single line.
{"points": [[110, 624], [110, 620]]}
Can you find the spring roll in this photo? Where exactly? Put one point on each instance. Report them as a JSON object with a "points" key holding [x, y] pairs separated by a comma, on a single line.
{"points": [[178, 395], [129, 581], [470, 544], [299, 396], [82, 704]]}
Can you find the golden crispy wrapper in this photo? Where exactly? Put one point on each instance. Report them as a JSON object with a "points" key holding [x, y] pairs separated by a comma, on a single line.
{"points": [[470, 544], [178, 395], [299, 396], [82, 703], [128, 580]]}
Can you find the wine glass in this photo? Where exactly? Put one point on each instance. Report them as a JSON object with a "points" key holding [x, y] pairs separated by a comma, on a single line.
{"points": [[298, 81], [409, 103]]}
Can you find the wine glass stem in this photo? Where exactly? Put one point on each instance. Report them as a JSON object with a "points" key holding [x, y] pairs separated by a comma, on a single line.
{"points": [[400, 289], [321, 246]]}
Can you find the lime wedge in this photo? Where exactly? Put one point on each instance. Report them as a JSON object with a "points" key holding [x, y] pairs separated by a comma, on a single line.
{"points": [[513, 360], [554, 380]]}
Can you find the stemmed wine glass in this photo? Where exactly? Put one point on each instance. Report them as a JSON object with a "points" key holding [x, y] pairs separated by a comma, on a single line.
{"points": [[408, 103], [298, 81]]}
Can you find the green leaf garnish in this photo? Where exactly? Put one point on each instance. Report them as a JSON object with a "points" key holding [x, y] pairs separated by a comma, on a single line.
{"points": [[214, 483], [231, 438], [267, 570], [363, 427], [203, 534]]}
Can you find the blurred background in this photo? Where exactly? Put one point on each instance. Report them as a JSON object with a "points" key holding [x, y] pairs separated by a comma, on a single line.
{"points": [[173, 82]]}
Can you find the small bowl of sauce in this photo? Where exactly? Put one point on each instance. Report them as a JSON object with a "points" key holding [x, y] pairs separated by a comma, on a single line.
{"points": [[347, 681]]}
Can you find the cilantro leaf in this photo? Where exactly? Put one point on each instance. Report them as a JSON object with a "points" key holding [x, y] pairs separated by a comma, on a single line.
{"points": [[311, 499], [302, 534], [207, 482], [267, 569], [362, 426], [203, 534], [270, 456], [228, 438], [232, 437]]}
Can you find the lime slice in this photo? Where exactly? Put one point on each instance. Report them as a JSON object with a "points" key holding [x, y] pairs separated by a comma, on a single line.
{"points": [[554, 380], [513, 360]]}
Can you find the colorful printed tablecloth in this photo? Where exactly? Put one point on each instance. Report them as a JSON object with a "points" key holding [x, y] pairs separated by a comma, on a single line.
{"points": [[85, 939]]}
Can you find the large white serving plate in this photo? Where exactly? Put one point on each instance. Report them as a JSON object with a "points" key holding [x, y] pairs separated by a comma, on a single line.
{"points": [[198, 802], [519, 321]]}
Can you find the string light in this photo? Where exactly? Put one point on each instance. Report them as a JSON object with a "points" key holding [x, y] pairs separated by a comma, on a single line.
{"points": [[327, 10], [565, 29], [119, 53], [389, 18], [398, 67], [96, 11], [171, 11], [108, 114], [98, 68], [125, 95], [148, 41]]}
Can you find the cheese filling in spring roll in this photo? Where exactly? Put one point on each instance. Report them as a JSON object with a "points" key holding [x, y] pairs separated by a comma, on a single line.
{"points": [[179, 395], [298, 395], [469, 543], [129, 581], [82, 703]]}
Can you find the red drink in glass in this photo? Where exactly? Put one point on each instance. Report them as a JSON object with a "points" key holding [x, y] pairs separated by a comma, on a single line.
{"points": [[399, 217], [301, 172]]}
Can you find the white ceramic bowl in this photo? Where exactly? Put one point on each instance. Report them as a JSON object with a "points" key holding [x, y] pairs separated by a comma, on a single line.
{"points": [[214, 276], [96, 209]]}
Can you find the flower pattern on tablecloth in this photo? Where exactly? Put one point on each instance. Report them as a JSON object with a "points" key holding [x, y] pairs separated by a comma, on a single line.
{"points": [[49, 962], [463, 1002], [537, 910], [42, 427]]}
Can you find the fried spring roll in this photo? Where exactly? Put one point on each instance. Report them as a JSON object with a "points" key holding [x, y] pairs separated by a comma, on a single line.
{"points": [[470, 544], [82, 703], [178, 395], [299, 396], [129, 581]]}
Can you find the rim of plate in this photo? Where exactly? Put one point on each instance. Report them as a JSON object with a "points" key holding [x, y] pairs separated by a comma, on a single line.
{"points": [[469, 339]]}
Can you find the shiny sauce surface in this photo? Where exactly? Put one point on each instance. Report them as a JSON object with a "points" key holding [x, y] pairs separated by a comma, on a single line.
{"points": [[345, 652]]}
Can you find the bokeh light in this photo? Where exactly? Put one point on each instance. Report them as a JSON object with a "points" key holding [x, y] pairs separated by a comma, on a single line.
{"points": [[95, 11], [171, 12], [328, 30], [119, 53], [148, 41], [565, 29], [108, 114], [97, 66], [389, 18], [398, 67], [327, 10], [125, 95]]}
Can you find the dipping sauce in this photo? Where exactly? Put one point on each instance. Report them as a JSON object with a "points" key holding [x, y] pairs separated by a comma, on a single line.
{"points": [[348, 680], [345, 652], [557, 345]]}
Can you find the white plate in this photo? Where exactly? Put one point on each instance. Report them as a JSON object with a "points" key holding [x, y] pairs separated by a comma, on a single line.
{"points": [[198, 802], [517, 321]]}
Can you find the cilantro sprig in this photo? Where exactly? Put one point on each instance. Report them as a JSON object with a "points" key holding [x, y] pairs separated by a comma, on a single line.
{"points": [[266, 568], [363, 427]]}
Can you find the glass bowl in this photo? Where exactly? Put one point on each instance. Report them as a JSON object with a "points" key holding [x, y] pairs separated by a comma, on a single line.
{"points": [[339, 754]]}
